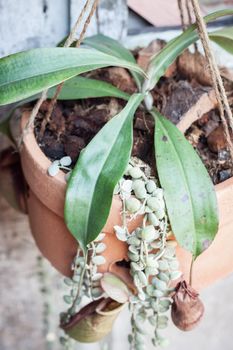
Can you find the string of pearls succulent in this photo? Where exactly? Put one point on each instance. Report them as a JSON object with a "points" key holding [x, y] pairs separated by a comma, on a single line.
{"points": [[62, 164], [85, 281], [153, 262]]}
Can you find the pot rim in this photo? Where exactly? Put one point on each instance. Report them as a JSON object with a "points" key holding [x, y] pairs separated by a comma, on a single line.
{"points": [[43, 161], [96, 306], [49, 190], [41, 158]]}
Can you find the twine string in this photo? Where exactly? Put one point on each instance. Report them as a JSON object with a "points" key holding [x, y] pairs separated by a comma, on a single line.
{"points": [[181, 11], [69, 41], [223, 104]]}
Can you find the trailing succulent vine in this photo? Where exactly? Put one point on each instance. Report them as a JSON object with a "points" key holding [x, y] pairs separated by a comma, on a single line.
{"points": [[151, 251], [153, 262], [154, 267], [181, 201], [152, 258], [85, 281], [43, 281]]}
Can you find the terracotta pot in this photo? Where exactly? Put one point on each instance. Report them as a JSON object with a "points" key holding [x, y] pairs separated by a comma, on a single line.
{"points": [[94, 321], [12, 184], [46, 204]]}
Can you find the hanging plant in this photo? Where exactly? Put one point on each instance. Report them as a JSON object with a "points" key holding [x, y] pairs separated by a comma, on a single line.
{"points": [[111, 199]]}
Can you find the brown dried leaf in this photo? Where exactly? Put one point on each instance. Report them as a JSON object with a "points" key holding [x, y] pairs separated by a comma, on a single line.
{"points": [[145, 54], [121, 78], [187, 308], [194, 66], [217, 140]]}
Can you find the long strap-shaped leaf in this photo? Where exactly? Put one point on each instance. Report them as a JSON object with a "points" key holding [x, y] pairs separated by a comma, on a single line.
{"points": [[224, 38], [73, 89], [80, 87], [27, 73], [189, 192], [99, 168], [112, 47], [160, 62]]}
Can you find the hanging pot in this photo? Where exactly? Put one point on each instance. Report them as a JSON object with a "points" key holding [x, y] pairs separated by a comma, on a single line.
{"points": [[46, 206], [94, 321]]}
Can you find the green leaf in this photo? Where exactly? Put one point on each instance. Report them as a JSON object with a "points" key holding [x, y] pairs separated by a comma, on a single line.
{"points": [[161, 61], [224, 38], [112, 47], [100, 166], [81, 87], [27, 73], [189, 193]]}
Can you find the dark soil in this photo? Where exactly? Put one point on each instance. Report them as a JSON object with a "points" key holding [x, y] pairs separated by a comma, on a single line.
{"points": [[74, 123]]}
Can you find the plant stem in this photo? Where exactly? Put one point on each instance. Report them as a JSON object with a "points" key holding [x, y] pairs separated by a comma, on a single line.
{"points": [[80, 281], [91, 275], [124, 213], [145, 251], [141, 252], [191, 272]]}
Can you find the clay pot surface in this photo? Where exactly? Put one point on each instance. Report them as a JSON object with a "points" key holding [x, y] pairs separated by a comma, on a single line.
{"points": [[12, 184], [94, 321], [46, 206]]}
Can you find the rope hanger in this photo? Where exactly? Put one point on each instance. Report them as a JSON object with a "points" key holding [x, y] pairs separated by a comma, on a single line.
{"points": [[69, 41], [223, 104]]}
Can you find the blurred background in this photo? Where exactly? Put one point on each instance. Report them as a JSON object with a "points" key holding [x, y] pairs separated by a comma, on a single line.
{"points": [[34, 23]]}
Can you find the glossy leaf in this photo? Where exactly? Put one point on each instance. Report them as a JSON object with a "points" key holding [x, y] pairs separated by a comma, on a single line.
{"points": [[27, 73], [100, 166], [81, 87], [189, 193], [161, 61], [73, 89], [224, 38], [112, 47]]}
